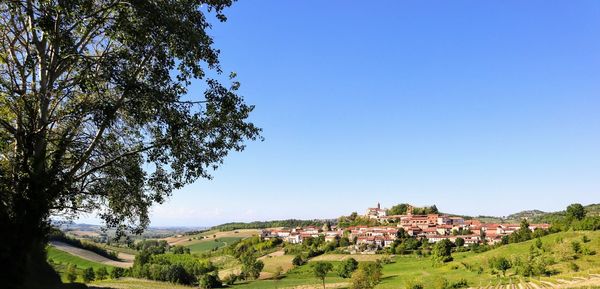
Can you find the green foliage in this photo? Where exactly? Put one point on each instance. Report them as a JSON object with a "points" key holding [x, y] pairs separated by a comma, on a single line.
{"points": [[71, 273], [152, 246], [538, 243], [576, 247], [500, 263], [413, 284], [176, 268], [101, 273], [88, 275], [57, 235], [459, 242], [180, 250], [575, 212], [347, 267], [574, 267], [290, 223], [230, 279], [117, 272], [355, 220], [368, 275], [298, 261], [320, 270], [401, 209], [522, 234], [208, 281], [442, 251], [97, 95]]}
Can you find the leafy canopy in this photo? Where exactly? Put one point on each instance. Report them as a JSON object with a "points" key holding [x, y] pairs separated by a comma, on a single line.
{"points": [[95, 114]]}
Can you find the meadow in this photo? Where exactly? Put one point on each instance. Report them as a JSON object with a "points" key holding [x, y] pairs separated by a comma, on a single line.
{"points": [[204, 245], [468, 267], [60, 260]]}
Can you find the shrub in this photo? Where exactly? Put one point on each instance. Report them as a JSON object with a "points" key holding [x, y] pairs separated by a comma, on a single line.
{"points": [[208, 281], [71, 273], [117, 272], [347, 267], [88, 275], [101, 273], [230, 279], [576, 247], [412, 284], [574, 267], [297, 261], [462, 283]]}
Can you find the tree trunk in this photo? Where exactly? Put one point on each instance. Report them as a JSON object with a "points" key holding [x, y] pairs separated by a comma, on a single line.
{"points": [[24, 228]]}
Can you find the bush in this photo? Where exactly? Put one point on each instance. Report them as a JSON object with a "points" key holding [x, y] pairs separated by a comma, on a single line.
{"points": [[230, 279], [347, 267], [117, 272], [71, 273], [297, 261], [208, 281], [412, 284], [462, 283], [88, 275], [101, 273], [574, 267]]}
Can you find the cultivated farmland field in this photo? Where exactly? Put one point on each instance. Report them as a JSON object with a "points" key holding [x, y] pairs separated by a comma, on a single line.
{"points": [[204, 245]]}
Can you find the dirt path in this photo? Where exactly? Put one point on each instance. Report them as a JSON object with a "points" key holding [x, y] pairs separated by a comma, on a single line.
{"points": [[89, 255]]}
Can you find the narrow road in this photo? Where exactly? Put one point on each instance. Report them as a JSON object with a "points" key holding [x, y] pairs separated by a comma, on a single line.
{"points": [[91, 256]]}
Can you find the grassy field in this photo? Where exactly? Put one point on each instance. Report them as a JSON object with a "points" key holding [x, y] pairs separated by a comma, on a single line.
{"points": [[133, 283], [405, 269], [60, 260], [342, 257], [200, 246], [556, 246], [185, 240], [420, 270]]}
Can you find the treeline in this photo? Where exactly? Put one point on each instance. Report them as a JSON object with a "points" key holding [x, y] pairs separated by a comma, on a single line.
{"points": [[290, 223], [354, 219], [57, 235], [402, 209], [158, 261]]}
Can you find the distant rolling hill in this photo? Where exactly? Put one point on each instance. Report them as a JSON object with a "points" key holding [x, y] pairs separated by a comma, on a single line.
{"points": [[534, 216]]}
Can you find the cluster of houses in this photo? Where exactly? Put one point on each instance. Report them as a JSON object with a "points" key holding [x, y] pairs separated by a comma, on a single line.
{"points": [[433, 227]]}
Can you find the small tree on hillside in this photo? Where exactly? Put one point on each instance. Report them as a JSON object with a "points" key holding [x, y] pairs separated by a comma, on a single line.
{"points": [[297, 261], [347, 267], [101, 273], [367, 276], [320, 270], [575, 212], [501, 263], [442, 251], [88, 274], [117, 273], [459, 242], [71, 273]]}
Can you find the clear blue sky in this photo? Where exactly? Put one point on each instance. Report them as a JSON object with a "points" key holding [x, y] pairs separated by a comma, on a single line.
{"points": [[479, 107]]}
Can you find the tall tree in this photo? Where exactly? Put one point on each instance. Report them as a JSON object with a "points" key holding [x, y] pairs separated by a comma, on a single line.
{"points": [[95, 116], [575, 212], [320, 270]]}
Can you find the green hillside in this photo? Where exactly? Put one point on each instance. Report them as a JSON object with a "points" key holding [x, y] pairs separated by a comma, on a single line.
{"points": [[474, 268], [210, 244], [61, 259]]}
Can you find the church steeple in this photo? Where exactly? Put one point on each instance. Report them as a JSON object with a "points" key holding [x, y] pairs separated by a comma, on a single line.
{"points": [[378, 205]]}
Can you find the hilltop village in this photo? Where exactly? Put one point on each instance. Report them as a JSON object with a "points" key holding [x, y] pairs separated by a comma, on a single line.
{"points": [[433, 227]]}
